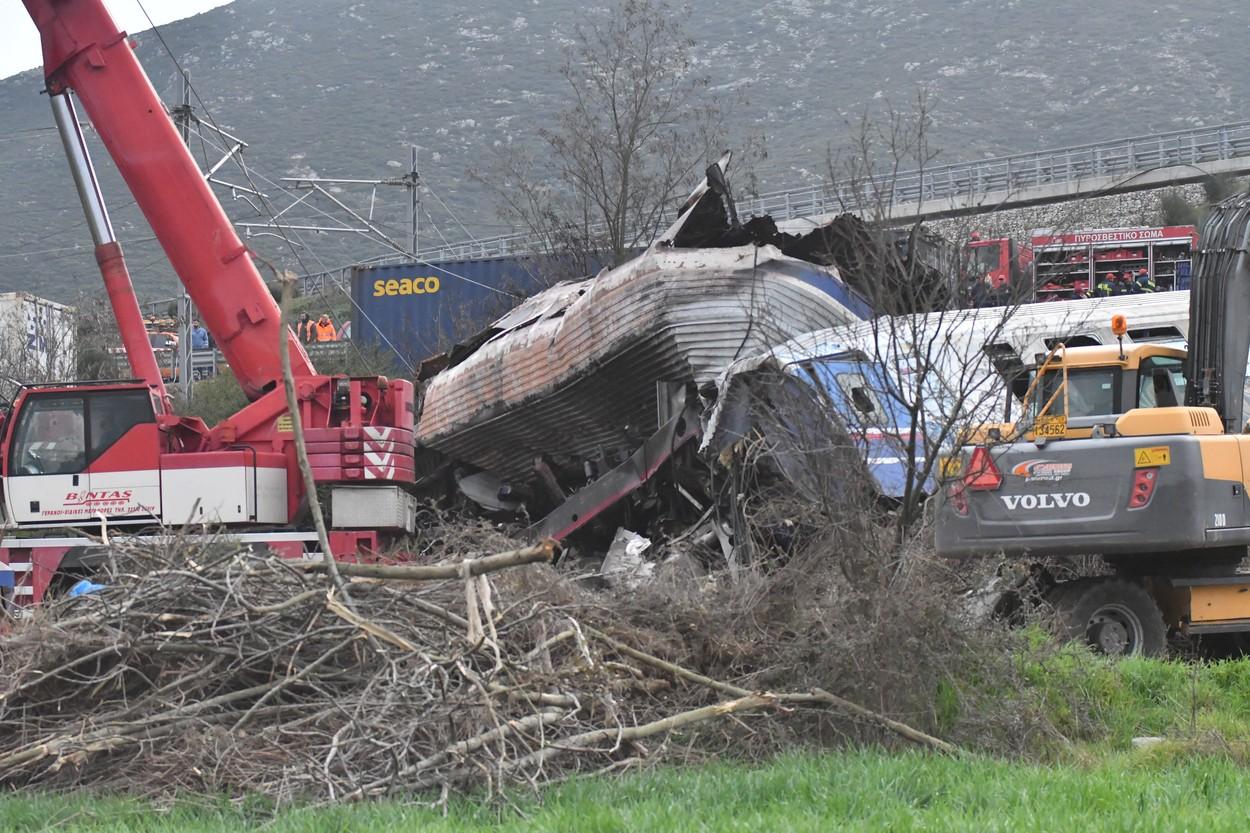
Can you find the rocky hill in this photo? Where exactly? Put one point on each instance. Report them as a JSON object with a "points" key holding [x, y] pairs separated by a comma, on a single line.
{"points": [[319, 87]]}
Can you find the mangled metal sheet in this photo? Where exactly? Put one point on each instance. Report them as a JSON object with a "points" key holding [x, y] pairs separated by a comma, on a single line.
{"points": [[571, 375], [581, 377]]}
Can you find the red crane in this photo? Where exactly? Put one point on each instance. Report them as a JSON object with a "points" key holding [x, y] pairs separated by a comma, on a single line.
{"points": [[115, 453]]}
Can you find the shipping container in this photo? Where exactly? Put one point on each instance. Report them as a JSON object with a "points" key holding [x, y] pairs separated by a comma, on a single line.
{"points": [[419, 310], [36, 339]]}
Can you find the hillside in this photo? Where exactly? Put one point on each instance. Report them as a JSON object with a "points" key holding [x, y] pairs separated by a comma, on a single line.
{"points": [[341, 91]]}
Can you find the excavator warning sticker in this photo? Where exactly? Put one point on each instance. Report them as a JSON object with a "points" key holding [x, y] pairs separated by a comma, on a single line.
{"points": [[1159, 455], [284, 425]]}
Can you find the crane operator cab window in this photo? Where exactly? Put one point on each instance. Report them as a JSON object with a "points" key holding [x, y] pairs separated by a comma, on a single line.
{"points": [[111, 414], [51, 437], [64, 434]]}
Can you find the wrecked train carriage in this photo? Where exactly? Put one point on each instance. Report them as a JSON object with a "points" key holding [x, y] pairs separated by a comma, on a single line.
{"points": [[834, 418], [579, 395], [571, 375]]}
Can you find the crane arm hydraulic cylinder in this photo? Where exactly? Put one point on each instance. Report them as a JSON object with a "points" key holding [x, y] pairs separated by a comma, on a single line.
{"points": [[84, 51], [108, 252]]}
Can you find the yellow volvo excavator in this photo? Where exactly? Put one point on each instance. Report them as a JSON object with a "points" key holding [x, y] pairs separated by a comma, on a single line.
{"points": [[1136, 454]]}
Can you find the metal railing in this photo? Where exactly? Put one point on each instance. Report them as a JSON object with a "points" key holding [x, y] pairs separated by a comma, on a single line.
{"points": [[208, 363], [943, 183]]}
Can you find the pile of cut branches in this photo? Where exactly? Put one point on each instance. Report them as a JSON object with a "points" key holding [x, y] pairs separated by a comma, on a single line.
{"points": [[207, 667]]}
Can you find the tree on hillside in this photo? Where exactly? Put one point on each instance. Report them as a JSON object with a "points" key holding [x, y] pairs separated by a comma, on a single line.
{"points": [[638, 125]]}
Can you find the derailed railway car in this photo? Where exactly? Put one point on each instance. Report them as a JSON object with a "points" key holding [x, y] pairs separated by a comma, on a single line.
{"points": [[582, 394]]}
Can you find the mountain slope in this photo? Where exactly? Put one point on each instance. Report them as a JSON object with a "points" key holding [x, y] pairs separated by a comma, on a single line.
{"points": [[341, 91]]}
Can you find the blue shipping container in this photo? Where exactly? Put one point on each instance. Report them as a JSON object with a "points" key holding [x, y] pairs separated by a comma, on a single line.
{"points": [[420, 310]]}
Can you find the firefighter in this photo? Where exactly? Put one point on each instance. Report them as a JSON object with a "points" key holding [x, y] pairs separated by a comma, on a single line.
{"points": [[1106, 286], [1123, 284], [326, 330], [1143, 281], [306, 330]]}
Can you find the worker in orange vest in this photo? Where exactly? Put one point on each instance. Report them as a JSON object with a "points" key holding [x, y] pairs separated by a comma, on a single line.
{"points": [[306, 329], [326, 330]]}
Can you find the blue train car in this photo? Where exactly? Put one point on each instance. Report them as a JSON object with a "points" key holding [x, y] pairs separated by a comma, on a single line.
{"points": [[810, 394], [861, 393]]}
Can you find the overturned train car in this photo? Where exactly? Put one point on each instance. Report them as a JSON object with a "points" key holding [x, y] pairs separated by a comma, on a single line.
{"points": [[581, 394]]}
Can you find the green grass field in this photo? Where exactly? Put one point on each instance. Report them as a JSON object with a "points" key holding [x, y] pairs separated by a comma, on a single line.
{"points": [[1094, 780], [864, 790]]}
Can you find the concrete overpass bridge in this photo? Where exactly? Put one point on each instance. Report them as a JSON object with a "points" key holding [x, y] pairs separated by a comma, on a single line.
{"points": [[1138, 163]]}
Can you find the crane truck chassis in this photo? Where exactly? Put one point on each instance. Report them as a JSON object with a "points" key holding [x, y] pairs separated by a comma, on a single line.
{"points": [[114, 455], [1135, 454]]}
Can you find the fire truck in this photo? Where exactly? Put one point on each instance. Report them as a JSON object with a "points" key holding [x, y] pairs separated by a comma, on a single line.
{"points": [[110, 455], [1068, 266], [997, 262]]}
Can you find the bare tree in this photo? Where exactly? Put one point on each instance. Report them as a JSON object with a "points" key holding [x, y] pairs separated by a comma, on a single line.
{"points": [[639, 123]]}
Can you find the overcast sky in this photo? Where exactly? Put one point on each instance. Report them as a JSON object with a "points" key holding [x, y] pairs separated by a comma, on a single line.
{"points": [[19, 42]]}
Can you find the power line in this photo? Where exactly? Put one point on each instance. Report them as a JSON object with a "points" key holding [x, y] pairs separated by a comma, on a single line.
{"points": [[411, 255], [25, 134], [246, 173], [75, 249]]}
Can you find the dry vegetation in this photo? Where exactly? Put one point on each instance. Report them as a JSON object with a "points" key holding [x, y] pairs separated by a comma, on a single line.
{"points": [[206, 668]]}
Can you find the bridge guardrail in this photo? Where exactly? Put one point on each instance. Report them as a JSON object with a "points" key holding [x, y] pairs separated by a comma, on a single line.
{"points": [[943, 183]]}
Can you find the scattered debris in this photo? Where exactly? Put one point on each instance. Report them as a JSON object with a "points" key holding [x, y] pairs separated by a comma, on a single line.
{"points": [[209, 669], [624, 565]]}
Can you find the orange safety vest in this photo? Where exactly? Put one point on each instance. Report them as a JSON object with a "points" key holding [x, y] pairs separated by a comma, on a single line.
{"points": [[326, 331]]}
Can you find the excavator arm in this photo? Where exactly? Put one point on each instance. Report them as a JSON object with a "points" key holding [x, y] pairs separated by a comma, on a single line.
{"points": [[85, 52], [1219, 313]]}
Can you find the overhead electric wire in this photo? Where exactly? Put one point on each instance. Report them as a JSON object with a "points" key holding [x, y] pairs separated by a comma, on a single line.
{"points": [[397, 249], [78, 248], [450, 213], [246, 173]]}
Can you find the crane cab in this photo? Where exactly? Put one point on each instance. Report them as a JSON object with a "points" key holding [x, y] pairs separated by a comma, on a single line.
{"points": [[86, 452]]}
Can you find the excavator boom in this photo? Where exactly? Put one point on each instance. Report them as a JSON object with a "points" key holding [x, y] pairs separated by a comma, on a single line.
{"points": [[1219, 314]]}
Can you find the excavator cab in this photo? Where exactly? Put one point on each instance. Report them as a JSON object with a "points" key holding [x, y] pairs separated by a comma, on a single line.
{"points": [[1068, 392]]}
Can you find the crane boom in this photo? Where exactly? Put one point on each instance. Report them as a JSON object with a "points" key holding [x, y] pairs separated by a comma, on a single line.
{"points": [[84, 51], [75, 452], [108, 252]]}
